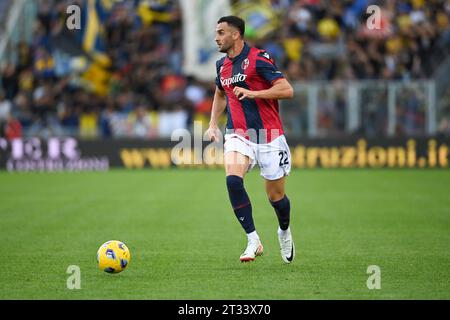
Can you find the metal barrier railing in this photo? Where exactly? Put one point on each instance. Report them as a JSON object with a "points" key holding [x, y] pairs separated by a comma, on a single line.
{"points": [[18, 20], [371, 108]]}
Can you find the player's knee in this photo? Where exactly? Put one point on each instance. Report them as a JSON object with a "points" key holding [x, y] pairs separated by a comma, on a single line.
{"points": [[235, 182], [232, 169], [275, 195]]}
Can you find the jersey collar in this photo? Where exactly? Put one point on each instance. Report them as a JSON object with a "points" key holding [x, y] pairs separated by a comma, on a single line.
{"points": [[244, 53]]}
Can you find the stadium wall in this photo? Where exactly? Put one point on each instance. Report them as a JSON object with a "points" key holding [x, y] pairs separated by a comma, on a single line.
{"points": [[71, 154]]}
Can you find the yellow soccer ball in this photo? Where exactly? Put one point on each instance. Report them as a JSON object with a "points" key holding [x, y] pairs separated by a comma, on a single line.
{"points": [[113, 256]]}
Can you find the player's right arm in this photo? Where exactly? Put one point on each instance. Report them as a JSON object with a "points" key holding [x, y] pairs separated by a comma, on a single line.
{"points": [[218, 106]]}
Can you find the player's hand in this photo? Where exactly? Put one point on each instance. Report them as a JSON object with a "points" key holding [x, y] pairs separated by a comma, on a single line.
{"points": [[213, 133], [242, 93]]}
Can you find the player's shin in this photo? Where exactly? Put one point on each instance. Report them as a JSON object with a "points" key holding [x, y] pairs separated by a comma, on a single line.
{"points": [[283, 210], [240, 202]]}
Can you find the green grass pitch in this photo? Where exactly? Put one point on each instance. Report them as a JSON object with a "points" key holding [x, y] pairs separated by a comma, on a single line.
{"points": [[185, 241]]}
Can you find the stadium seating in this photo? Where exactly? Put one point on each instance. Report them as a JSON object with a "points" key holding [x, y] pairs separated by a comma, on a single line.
{"points": [[138, 62]]}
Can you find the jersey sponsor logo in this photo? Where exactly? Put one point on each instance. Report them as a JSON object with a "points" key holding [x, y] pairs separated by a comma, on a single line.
{"points": [[226, 82]]}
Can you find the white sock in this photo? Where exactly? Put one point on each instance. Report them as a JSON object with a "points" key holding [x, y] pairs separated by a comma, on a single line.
{"points": [[283, 232], [253, 235]]}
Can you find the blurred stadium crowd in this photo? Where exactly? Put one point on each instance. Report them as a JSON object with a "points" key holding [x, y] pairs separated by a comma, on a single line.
{"points": [[138, 89]]}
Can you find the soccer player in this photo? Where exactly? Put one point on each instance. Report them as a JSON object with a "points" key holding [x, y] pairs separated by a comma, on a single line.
{"points": [[248, 85]]}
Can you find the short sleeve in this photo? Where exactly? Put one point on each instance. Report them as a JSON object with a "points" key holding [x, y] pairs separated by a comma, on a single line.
{"points": [[266, 68], [219, 64]]}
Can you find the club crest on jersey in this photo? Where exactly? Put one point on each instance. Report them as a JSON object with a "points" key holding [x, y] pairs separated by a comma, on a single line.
{"points": [[226, 82], [244, 64]]}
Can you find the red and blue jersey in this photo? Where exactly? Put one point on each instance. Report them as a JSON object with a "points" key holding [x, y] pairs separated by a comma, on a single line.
{"points": [[252, 69]]}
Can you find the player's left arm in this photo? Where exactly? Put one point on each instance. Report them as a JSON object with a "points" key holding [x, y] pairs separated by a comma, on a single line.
{"points": [[281, 89]]}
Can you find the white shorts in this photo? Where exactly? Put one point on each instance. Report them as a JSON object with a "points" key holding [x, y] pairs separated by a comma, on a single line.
{"points": [[273, 159]]}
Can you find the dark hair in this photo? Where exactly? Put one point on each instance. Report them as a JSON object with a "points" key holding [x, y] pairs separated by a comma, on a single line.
{"points": [[235, 22]]}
